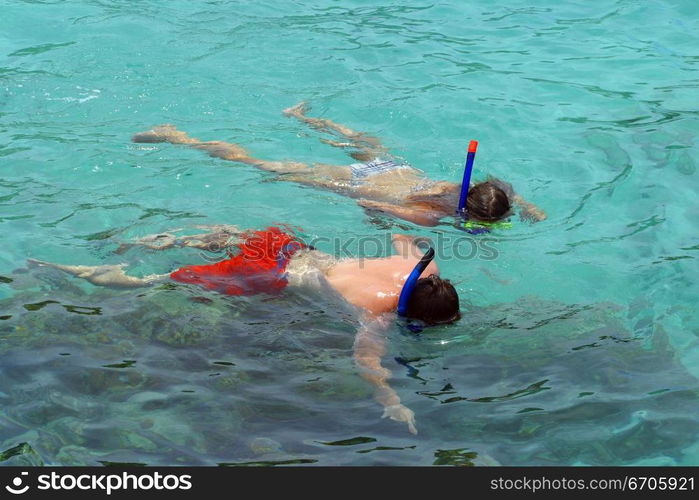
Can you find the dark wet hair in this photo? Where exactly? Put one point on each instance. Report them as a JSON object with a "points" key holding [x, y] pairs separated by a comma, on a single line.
{"points": [[434, 301], [486, 202]]}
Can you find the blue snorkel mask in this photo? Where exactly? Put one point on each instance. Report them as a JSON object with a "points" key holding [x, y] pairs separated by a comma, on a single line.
{"points": [[409, 286]]}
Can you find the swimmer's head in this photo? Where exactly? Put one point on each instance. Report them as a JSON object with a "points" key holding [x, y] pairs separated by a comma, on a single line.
{"points": [[487, 203], [434, 301]]}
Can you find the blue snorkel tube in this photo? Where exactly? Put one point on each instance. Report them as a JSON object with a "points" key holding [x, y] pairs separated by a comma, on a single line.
{"points": [[466, 182], [409, 285]]}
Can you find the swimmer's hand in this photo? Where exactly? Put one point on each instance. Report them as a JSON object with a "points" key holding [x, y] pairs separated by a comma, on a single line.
{"points": [[401, 413], [528, 211], [532, 215]]}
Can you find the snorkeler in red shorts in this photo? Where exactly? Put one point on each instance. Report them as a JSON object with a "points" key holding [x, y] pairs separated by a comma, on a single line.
{"points": [[258, 267], [257, 263], [268, 261]]}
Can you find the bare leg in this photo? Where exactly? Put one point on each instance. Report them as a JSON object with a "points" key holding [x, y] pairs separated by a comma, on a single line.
{"points": [[108, 275], [220, 237], [367, 147], [217, 149], [326, 176], [161, 241]]}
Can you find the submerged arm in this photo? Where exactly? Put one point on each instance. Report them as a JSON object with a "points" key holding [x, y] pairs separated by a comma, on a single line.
{"points": [[528, 211], [420, 216], [369, 346]]}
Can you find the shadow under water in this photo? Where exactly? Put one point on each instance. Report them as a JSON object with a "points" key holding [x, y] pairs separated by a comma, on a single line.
{"points": [[175, 375]]}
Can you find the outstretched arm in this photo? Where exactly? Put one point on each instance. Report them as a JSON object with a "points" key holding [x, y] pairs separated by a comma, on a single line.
{"points": [[528, 211], [416, 215], [369, 346]]}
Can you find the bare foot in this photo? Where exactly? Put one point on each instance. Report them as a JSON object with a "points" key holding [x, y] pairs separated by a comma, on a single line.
{"points": [[297, 110], [106, 275]]}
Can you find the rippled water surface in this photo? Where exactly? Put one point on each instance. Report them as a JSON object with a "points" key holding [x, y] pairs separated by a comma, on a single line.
{"points": [[578, 343]]}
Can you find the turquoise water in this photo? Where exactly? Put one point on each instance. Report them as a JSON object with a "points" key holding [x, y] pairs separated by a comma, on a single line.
{"points": [[578, 343]]}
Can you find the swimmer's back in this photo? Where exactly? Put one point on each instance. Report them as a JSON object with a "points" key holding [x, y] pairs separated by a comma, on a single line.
{"points": [[374, 284]]}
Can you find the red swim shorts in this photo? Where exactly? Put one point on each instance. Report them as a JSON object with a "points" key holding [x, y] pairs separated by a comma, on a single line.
{"points": [[258, 267]]}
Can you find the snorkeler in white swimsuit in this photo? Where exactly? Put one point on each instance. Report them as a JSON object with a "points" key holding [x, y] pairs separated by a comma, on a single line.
{"points": [[379, 181]]}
